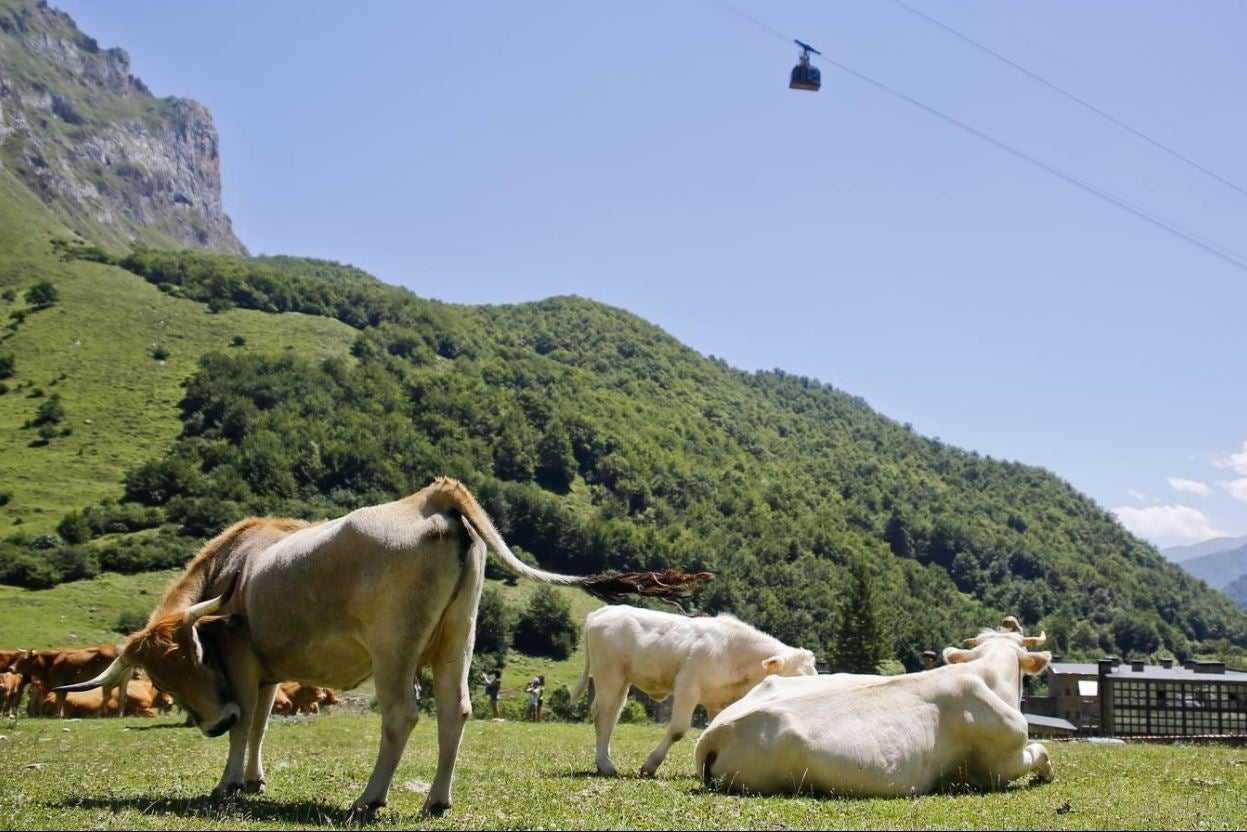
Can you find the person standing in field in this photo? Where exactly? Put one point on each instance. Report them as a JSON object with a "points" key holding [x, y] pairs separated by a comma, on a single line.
{"points": [[536, 692], [493, 688]]}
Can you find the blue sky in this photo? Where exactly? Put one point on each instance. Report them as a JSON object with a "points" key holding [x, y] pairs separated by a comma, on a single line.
{"points": [[649, 155]]}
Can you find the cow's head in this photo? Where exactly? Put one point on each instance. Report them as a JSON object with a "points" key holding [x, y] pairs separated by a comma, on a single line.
{"points": [[796, 662], [178, 651], [992, 641]]}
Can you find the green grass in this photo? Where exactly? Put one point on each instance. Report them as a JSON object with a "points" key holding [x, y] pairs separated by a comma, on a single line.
{"points": [[78, 613], [94, 347], [150, 774]]}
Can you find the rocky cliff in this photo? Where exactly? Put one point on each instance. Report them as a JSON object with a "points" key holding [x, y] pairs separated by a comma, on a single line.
{"points": [[86, 136]]}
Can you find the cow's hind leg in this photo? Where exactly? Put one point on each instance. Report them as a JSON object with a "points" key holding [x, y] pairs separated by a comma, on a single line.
{"points": [[609, 694], [253, 778], [396, 699], [682, 706], [454, 706]]}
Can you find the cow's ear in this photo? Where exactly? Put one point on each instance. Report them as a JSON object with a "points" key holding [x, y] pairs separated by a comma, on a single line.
{"points": [[954, 656], [772, 665], [1034, 663]]}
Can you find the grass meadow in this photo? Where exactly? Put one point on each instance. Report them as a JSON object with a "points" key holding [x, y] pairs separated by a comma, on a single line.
{"points": [[154, 774]]}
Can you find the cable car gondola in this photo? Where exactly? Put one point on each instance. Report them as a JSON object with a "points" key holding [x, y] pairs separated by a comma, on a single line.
{"points": [[805, 76]]}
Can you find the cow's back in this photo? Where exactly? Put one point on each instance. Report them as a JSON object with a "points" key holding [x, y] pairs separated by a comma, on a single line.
{"points": [[652, 648], [893, 736], [314, 598]]}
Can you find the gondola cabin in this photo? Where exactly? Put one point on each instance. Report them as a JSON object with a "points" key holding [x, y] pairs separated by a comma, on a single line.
{"points": [[804, 75]]}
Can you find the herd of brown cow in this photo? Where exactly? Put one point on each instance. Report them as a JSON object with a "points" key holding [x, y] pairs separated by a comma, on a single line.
{"points": [[41, 671]]}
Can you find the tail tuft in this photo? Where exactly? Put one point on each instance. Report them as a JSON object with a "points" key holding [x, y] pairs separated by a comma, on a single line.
{"points": [[672, 583], [707, 769]]}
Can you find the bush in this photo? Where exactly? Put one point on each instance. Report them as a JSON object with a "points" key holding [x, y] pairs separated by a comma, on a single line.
{"points": [[42, 294], [7, 363], [495, 625], [159, 352], [560, 706], [546, 628], [130, 621], [162, 551], [633, 712]]}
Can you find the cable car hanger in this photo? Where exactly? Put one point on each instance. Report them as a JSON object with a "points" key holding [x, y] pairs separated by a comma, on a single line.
{"points": [[804, 75]]}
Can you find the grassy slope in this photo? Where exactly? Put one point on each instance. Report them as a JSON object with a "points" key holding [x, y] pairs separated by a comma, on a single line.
{"points": [[100, 335], [124, 775]]}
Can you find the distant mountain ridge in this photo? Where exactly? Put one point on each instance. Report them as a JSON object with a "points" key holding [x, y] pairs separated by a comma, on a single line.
{"points": [[1219, 569], [1178, 554], [88, 138]]}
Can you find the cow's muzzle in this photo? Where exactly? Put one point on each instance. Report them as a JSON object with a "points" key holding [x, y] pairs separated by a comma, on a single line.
{"points": [[224, 724]]}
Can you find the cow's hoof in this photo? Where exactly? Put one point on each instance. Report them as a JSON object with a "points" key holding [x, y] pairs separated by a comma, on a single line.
{"points": [[254, 786], [647, 772], [608, 771], [434, 810], [226, 791], [366, 811]]}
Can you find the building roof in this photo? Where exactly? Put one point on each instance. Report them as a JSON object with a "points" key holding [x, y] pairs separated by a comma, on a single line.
{"points": [[1053, 722], [1150, 673]]}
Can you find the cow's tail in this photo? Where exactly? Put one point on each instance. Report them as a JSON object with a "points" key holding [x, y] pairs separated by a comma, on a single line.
{"points": [[612, 587], [583, 681]]}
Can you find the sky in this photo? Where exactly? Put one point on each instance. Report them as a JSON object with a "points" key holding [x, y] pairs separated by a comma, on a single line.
{"points": [[649, 155]]}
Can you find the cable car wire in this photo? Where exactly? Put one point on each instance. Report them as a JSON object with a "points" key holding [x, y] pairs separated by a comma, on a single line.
{"points": [[1071, 96], [1213, 248]]}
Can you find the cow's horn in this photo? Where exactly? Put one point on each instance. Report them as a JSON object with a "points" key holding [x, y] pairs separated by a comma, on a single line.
{"points": [[1034, 641], [111, 675], [972, 642], [197, 611]]}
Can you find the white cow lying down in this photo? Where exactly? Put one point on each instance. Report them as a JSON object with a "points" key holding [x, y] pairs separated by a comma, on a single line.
{"points": [[883, 735], [707, 661]]}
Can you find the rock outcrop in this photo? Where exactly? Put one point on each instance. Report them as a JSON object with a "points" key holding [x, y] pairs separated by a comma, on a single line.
{"points": [[86, 136]]}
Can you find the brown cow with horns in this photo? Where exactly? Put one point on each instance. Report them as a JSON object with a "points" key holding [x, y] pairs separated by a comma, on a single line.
{"points": [[381, 592]]}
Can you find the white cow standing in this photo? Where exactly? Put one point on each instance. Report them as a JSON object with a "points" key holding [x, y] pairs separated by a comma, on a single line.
{"points": [[883, 735], [707, 661]]}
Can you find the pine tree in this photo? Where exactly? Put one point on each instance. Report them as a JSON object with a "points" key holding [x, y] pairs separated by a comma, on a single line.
{"points": [[858, 644]]}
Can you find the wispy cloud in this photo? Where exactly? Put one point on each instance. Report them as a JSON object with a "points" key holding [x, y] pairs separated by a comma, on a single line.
{"points": [[1237, 488], [1137, 494], [1167, 525], [1235, 462], [1189, 486]]}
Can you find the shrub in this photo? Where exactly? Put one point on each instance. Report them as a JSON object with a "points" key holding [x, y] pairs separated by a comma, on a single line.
{"points": [[546, 628], [130, 621], [7, 363], [43, 294], [159, 352]]}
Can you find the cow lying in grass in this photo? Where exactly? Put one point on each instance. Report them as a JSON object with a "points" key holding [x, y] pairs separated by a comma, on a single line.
{"points": [[381, 592], [959, 724], [707, 661]]}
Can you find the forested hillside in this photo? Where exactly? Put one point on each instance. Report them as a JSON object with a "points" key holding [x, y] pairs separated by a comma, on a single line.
{"points": [[598, 441], [150, 396]]}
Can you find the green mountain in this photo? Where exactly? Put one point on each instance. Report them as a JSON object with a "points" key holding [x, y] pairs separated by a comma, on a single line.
{"points": [[1219, 569], [154, 395]]}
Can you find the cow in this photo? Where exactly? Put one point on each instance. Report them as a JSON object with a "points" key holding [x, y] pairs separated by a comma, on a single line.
{"points": [[297, 698], [10, 693], [955, 725], [7, 658], [57, 668], [382, 591], [701, 660]]}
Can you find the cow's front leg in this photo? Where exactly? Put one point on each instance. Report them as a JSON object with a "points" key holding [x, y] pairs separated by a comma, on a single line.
{"points": [[682, 705], [245, 677], [253, 780], [396, 698]]}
